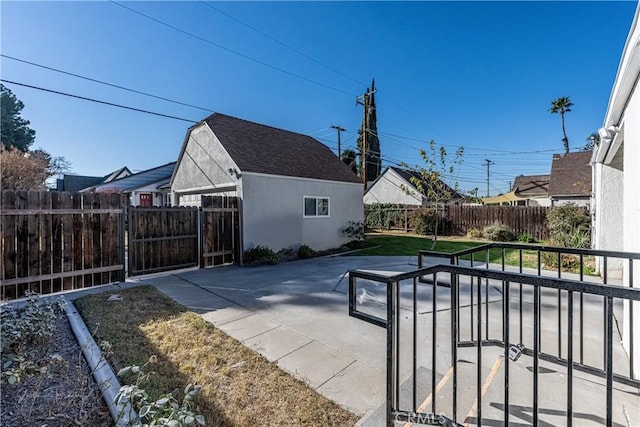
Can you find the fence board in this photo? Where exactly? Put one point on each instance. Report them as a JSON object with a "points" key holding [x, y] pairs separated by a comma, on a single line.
{"points": [[44, 237], [458, 219]]}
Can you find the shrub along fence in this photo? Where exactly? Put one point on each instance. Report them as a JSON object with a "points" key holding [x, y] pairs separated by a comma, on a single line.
{"points": [[457, 220]]}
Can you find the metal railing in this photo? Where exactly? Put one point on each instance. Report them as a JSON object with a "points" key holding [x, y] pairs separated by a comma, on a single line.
{"points": [[412, 306], [556, 254]]}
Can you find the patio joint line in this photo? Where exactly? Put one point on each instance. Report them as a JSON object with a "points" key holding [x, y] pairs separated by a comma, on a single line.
{"points": [[207, 290], [232, 320], [336, 374], [294, 350], [261, 333]]}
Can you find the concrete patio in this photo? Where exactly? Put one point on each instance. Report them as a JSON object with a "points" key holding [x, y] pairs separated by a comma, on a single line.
{"points": [[296, 315]]}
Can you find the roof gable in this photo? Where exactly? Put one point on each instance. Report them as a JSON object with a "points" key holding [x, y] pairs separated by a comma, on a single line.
{"points": [[160, 174], [531, 185], [263, 149], [408, 174], [571, 174]]}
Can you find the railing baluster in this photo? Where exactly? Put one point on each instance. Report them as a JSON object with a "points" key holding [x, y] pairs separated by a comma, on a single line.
{"points": [[391, 355], [415, 344], [609, 366], [570, 360], [631, 303], [434, 331], [455, 319], [536, 325], [604, 315], [471, 308], [486, 309], [479, 357], [397, 343], [559, 322], [505, 339]]}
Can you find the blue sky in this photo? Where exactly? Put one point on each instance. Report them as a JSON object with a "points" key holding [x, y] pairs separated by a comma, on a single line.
{"points": [[480, 75]]}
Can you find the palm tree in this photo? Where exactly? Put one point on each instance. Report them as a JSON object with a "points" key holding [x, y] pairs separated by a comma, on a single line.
{"points": [[562, 105]]}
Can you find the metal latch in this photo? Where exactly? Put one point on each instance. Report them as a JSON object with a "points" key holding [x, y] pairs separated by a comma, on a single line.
{"points": [[515, 350]]}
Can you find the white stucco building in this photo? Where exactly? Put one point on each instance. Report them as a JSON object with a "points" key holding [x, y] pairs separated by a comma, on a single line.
{"points": [[395, 185], [294, 190], [616, 172]]}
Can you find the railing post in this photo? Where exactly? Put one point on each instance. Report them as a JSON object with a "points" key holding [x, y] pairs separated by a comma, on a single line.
{"points": [[391, 359]]}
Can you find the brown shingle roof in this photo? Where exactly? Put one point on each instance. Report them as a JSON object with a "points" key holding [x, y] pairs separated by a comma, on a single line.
{"points": [[408, 174], [531, 185], [571, 174], [263, 149]]}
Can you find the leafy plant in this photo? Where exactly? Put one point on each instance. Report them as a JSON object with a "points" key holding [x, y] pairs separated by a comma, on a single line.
{"points": [[355, 230], [260, 255], [424, 221], [305, 252], [165, 411], [20, 329], [474, 233], [384, 216], [569, 225], [526, 238], [498, 233]]}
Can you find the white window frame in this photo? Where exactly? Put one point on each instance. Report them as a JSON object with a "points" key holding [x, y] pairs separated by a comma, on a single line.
{"points": [[317, 199]]}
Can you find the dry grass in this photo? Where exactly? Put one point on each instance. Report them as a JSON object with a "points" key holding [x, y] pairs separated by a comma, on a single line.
{"points": [[240, 387]]}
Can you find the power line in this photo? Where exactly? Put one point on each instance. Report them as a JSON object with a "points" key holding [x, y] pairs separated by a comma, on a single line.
{"points": [[235, 52], [105, 83], [281, 43], [98, 101]]}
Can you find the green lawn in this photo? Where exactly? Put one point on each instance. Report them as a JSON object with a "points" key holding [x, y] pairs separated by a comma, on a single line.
{"points": [[389, 245]]}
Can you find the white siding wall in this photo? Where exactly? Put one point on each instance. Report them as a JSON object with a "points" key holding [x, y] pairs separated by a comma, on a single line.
{"points": [[204, 166], [273, 212], [388, 189]]}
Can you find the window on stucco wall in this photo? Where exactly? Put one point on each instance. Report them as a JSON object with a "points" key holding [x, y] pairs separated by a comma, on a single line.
{"points": [[316, 207]]}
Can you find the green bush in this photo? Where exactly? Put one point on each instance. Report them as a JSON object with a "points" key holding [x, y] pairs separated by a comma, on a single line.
{"points": [[260, 255], [305, 252], [355, 230], [569, 225], [384, 216], [474, 233], [424, 221], [526, 238], [498, 233]]}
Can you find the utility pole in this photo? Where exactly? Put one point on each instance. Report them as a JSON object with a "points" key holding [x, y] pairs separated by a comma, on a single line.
{"points": [[363, 155], [487, 164], [510, 185], [340, 130]]}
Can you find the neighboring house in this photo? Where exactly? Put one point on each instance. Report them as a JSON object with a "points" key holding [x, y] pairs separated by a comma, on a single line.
{"points": [[570, 180], [146, 189], [394, 185], [509, 199], [294, 191], [616, 173], [532, 190], [80, 182]]}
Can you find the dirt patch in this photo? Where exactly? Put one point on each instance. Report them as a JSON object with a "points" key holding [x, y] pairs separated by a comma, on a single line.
{"points": [[64, 395]]}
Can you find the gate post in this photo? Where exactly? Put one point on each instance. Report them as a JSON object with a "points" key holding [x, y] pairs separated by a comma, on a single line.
{"points": [[200, 233]]}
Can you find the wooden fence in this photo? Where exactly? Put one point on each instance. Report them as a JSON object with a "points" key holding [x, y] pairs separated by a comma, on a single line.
{"points": [[161, 239], [60, 241], [221, 230], [458, 220]]}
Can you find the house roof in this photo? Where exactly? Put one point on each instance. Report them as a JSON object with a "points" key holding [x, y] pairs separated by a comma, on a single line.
{"points": [[408, 174], [155, 175], [263, 149], [531, 186], [570, 174], [80, 182]]}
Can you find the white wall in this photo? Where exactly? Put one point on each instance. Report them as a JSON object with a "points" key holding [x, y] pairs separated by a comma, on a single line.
{"points": [[273, 212], [203, 167], [388, 189]]}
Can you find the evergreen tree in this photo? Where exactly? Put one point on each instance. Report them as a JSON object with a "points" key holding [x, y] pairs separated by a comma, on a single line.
{"points": [[15, 131], [373, 160], [349, 159]]}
